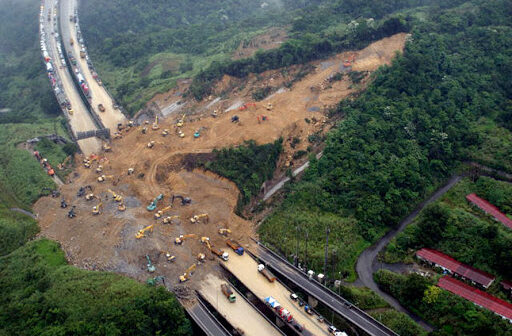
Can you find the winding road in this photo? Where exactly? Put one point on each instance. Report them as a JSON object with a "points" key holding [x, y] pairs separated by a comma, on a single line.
{"points": [[367, 265]]}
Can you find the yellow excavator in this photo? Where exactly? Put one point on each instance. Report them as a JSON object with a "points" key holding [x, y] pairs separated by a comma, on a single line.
{"points": [[181, 121], [96, 210], [169, 257], [121, 206], [116, 197], [165, 132], [168, 219], [103, 178], [182, 238], [89, 197], [142, 233], [99, 169], [224, 232], [106, 147], [154, 127], [201, 257], [196, 218], [160, 213], [187, 273]]}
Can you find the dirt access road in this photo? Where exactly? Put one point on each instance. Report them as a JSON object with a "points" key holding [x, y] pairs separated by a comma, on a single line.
{"points": [[80, 120], [107, 241], [111, 117]]}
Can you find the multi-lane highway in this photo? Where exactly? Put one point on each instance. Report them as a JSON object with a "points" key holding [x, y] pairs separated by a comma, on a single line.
{"points": [[206, 321], [335, 302], [110, 117], [80, 120]]}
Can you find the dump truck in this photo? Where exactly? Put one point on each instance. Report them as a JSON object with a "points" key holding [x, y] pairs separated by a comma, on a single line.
{"points": [[226, 290], [219, 253], [235, 246], [270, 277]]}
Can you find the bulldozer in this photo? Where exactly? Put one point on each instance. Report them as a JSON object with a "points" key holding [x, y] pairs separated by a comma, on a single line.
{"points": [[160, 213], [168, 219], [182, 238], [151, 144], [99, 169], [96, 210], [116, 197], [169, 257], [187, 273], [152, 205], [224, 232], [184, 200], [151, 267], [155, 126], [142, 233], [196, 218], [106, 147], [103, 178]]}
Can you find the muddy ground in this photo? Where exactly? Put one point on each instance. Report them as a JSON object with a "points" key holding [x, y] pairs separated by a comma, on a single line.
{"points": [[107, 241]]}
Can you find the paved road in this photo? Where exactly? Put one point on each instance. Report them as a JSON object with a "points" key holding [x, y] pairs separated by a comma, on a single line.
{"points": [[206, 320], [335, 302], [25, 212], [366, 263], [81, 120]]}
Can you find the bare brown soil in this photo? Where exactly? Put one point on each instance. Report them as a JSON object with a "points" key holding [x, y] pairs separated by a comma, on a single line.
{"points": [[269, 40], [107, 241]]}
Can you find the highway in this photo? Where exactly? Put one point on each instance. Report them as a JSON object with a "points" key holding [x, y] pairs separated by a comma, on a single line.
{"points": [[111, 117], [206, 320], [335, 302], [80, 120]]}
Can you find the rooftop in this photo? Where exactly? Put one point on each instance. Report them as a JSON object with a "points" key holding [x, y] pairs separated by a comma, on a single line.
{"points": [[490, 209]]}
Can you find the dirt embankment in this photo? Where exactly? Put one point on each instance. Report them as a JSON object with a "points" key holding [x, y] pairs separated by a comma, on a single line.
{"points": [[107, 241]]}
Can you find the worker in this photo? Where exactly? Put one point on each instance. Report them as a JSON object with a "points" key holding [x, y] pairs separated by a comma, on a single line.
{"points": [[235, 119]]}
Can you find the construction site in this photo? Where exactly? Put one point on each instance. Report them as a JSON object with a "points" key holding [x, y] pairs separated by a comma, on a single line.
{"points": [[137, 208]]}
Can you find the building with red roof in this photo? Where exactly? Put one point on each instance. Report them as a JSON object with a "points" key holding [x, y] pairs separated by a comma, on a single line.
{"points": [[478, 297], [452, 266], [507, 287], [489, 209]]}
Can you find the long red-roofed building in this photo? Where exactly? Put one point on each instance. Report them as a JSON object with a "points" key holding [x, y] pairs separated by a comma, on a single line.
{"points": [[478, 297], [489, 209], [455, 267]]}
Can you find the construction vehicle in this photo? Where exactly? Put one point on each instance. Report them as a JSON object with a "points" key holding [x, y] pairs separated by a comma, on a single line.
{"points": [[218, 252], [269, 107], [224, 232], [165, 132], [131, 171], [197, 134], [184, 200], [181, 121], [160, 213], [151, 144], [54, 193], [226, 290], [102, 178], [170, 257], [106, 147], [196, 218], [235, 119], [101, 107], [181, 134], [144, 130], [82, 190], [155, 126], [151, 267], [187, 273], [201, 257], [182, 238], [235, 246], [99, 169], [155, 280], [152, 205], [121, 207], [116, 197], [96, 210], [63, 203], [142, 233], [270, 277], [89, 197], [168, 219], [71, 213]]}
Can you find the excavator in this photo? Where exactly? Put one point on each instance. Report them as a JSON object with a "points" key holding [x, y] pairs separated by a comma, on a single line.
{"points": [[184, 200], [152, 205], [187, 273], [168, 219], [224, 232], [181, 121], [71, 213], [106, 147], [196, 218], [154, 127], [96, 210], [182, 238], [151, 144], [169, 257], [99, 169], [82, 190], [218, 252], [160, 213], [89, 197], [201, 257], [151, 267], [116, 197], [63, 203], [102, 178], [121, 207], [142, 233], [165, 132]]}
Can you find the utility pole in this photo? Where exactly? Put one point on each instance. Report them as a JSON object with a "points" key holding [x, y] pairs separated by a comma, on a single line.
{"points": [[297, 247], [326, 250], [306, 252]]}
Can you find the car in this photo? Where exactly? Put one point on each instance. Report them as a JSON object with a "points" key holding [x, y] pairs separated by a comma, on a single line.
{"points": [[301, 303], [294, 296], [298, 327], [101, 107], [340, 333], [333, 330]]}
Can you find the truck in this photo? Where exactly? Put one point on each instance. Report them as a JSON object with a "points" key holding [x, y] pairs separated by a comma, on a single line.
{"points": [[235, 246], [221, 254], [270, 277], [71, 41], [285, 315], [228, 293], [82, 53], [101, 107]]}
